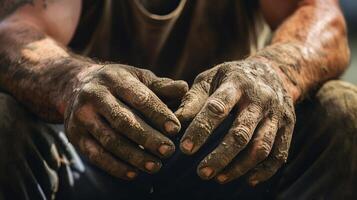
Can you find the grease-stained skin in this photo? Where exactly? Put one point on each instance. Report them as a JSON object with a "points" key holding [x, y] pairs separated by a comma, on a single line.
{"points": [[308, 48], [59, 86]]}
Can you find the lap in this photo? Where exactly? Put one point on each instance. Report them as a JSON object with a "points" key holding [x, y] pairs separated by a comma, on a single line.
{"points": [[321, 164]]}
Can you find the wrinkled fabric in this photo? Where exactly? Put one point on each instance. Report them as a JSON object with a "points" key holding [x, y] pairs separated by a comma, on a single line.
{"points": [[321, 165], [177, 41]]}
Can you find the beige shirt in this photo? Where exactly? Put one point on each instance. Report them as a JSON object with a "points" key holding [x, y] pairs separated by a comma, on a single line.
{"points": [[178, 39]]}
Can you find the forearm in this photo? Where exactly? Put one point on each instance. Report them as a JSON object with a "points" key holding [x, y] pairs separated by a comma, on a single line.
{"points": [[310, 47], [36, 70]]}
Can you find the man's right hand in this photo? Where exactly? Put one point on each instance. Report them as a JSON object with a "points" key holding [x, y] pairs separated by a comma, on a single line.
{"points": [[116, 118]]}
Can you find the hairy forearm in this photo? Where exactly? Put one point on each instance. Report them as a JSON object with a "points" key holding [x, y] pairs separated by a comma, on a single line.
{"points": [[36, 70], [310, 47]]}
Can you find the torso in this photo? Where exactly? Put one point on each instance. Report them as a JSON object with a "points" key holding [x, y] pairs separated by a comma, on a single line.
{"points": [[177, 39]]}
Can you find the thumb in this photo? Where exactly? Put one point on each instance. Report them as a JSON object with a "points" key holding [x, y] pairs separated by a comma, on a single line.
{"points": [[169, 89], [192, 103]]}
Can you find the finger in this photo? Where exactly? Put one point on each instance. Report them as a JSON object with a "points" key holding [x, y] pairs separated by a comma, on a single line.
{"points": [[257, 151], [276, 159], [124, 121], [215, 110], [167, 88], [193, 101], [99, 157], [121, 147], [234, 142], [141, 98]]}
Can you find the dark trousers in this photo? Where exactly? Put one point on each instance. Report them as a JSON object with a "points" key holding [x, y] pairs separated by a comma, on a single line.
{"points": [[322, 160]]}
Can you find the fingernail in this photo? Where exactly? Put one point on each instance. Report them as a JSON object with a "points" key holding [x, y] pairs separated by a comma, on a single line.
{"points": [[222, 178], [171, 127], [131, 174], [253, 183], [206, 171], [165, 149], [149, 165], [187, 145]]}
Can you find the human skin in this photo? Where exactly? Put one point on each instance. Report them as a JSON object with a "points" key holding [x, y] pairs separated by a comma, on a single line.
{"points": [[106, 108], [56, 84], [308, 48]]}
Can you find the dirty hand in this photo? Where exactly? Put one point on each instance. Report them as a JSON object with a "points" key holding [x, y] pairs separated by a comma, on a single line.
{"points": [[116, 118], [262, 129]]}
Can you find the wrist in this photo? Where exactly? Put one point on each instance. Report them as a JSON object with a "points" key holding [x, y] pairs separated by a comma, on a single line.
{"points": [[292, 88], [73, 85]]}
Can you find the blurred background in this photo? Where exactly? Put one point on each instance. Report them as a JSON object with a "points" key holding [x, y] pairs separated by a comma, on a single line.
{"points": [[349, 8]]}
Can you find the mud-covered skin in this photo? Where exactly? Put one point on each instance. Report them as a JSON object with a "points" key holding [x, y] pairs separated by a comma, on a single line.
{"points": [[264, 107], [308, 50], [305, 52], [104, 103], [104, 119]]}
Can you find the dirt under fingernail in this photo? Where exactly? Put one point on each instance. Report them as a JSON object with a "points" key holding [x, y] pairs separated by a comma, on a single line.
{"points": [[150, 166], [187, 145], [222, 178], [131, 174], [165, 149], [206, 172], [253, 183], [171, 127]]}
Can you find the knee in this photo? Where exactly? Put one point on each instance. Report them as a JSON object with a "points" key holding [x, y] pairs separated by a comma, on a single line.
{"points": [[338, 102]]}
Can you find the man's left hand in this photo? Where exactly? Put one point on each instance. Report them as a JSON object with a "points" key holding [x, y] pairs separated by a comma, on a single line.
{"points": [[262, 129]]}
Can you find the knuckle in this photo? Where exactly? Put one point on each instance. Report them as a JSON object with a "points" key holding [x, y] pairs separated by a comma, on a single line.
{"points": [[141, 97], [255, 108], [87, 90], [201, 77], [267, 95], [198, 132], [241, 136], [106, 140], [216, 107], [224, 68], [94, 155], [144, 75], [290, 117], [112, 74], [262, 151], [106, 75], [147, 72], [281, 158], [83, 112], [203, 125], [90, 91]]}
